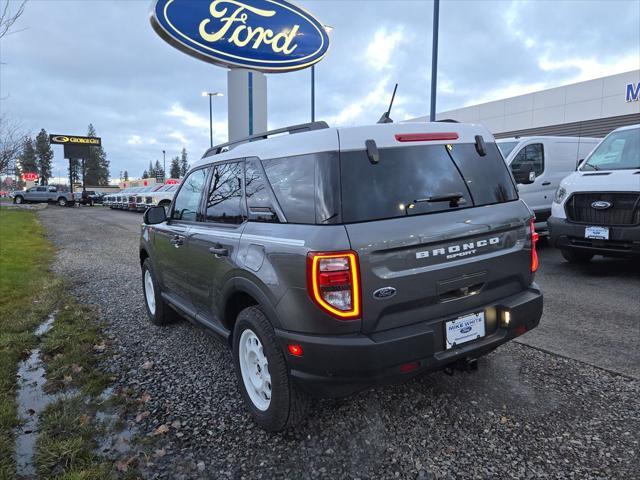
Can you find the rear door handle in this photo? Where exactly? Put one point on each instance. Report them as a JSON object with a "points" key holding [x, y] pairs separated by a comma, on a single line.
{"points": [[219, 251], [544, 184]]}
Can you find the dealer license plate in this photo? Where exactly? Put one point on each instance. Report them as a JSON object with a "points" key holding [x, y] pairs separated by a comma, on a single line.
{"points": [[599, 233], [464, 329]]}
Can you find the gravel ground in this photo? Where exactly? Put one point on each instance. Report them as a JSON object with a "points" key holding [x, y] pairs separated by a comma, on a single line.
{"points": [[524, 414]]}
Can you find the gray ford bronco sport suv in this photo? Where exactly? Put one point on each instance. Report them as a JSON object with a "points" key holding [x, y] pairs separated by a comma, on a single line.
{"points": [[334, 259]]}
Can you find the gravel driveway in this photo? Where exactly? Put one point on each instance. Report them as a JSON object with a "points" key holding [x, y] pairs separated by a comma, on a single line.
{"points": [[524, 414]]}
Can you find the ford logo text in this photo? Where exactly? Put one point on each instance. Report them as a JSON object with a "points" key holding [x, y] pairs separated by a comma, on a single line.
{"points": [[601, 205], [264, 35], [384, 292]]}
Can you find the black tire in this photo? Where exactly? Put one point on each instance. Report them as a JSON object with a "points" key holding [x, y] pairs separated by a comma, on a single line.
{"points": [[62, 202], [18, 200], [576, 256], [288, 405], [163, 314]]}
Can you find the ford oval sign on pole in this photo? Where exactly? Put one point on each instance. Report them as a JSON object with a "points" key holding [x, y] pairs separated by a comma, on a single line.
{"points": [[263, 35]]}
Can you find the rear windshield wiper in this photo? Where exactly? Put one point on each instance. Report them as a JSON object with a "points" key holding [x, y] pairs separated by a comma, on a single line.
{"points": [[454, 199]]}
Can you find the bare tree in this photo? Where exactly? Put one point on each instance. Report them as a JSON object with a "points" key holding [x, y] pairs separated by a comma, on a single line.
{"points": [[11, 138], [9, 16]]}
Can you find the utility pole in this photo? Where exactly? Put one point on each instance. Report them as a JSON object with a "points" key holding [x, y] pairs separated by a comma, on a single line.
{"points": [[434, 60]]}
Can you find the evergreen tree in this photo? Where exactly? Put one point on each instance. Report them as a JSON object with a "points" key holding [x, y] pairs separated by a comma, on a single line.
{"points": [[158, 169], [151, 171], [175, 170], [145, 174], [126, 176], [28, 160], [184, 163], [97, 165], [44, 155]]}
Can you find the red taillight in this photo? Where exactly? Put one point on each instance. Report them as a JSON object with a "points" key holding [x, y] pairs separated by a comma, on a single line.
{"points": [[426, 137], [333, 282], [534, 252], [295, 349]]}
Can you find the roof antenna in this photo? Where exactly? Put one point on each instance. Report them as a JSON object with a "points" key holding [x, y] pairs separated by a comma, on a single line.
{"points": [[385, 116]]}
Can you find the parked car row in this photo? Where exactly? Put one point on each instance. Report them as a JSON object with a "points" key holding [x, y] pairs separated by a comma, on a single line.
{"points": [[585, 192], [138, 199]]}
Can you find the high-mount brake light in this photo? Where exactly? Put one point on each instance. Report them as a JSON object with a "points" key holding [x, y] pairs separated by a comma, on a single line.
{"points": [[426, 137], [333, 283], [534, 252]]}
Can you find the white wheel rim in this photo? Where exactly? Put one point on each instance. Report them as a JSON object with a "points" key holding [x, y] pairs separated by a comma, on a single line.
{"points": [[255, 370], [18, 199], [149, 292]]}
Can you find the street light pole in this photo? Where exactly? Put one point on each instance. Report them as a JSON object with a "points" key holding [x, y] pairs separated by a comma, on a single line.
{"points": [[313, 92], [210, 95], [164, 164], [434, 60]]}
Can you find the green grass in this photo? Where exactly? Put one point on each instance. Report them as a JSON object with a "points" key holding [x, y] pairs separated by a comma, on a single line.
{"points": [[26, 298], [71, 351]]}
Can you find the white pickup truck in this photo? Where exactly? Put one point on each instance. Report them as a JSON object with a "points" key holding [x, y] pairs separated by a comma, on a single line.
{"points": [[43, 194]]}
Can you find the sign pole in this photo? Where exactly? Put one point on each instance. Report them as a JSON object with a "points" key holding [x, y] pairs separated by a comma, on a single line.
{"points": [[434, 59], [313, 93]]}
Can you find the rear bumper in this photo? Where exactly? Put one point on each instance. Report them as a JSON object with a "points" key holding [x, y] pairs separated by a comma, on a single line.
{"points": [[623, 241], [335, 366]]}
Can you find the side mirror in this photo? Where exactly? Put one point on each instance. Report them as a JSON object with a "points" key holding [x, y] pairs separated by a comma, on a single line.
{"points": [[524, 175], [579, 163], [155, 215]]}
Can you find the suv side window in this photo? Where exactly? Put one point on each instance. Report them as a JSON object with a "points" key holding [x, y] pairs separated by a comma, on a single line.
{"points": [[532, 155], [259, 198], [224, 201], [188, 199], [42, 189], [293, 182]]}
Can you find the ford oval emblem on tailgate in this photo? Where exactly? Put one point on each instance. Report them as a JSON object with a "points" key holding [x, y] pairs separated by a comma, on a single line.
{"points": [[384, 292], [601, 205]]}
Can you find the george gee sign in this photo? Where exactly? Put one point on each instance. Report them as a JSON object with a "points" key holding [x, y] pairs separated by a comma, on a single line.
{"points": [[264, 35]]}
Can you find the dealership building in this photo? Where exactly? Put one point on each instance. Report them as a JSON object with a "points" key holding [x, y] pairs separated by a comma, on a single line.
{"points": [[588, 109]]}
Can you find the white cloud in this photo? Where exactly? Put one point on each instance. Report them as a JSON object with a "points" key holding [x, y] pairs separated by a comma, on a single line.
{"points": [[382, 46], [590, 68], [186, 117], [375, 101], [134, 140], [180, 137]]}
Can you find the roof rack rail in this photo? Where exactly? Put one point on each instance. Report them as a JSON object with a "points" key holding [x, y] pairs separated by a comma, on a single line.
{"points": [[303, 127], [448, 120]]}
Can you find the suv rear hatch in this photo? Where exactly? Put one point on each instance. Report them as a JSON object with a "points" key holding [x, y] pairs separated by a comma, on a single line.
{"points": [[438, 229]]}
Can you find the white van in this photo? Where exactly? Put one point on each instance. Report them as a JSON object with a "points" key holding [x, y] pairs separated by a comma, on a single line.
{"points": [[539, 164], [596, 210]]}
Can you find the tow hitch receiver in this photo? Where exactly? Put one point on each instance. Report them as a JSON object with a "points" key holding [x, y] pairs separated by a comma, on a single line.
{"points": [[463, 365]]}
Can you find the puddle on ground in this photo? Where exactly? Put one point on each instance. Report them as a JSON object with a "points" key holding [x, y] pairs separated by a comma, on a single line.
{"points": [[118, 441], [31, 400]]}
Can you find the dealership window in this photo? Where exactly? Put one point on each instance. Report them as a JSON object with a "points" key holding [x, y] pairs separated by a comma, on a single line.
{"points": [[531, 156], [188, 199], [224, 201], [259, 198]]}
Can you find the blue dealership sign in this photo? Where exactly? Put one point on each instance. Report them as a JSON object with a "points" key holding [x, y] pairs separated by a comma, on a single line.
{"points": [[264, 35]]}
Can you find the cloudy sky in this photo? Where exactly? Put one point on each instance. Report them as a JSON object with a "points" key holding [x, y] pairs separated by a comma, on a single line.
{"points": [[70, 63]]}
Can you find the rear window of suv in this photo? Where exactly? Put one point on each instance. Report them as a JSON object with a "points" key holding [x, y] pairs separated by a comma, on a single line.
{"points": [[407, 177]]}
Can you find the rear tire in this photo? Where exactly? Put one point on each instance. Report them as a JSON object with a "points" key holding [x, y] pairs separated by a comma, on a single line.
{"points": [[62, 202], [159, 312], [576, 256], [285, 405]]}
